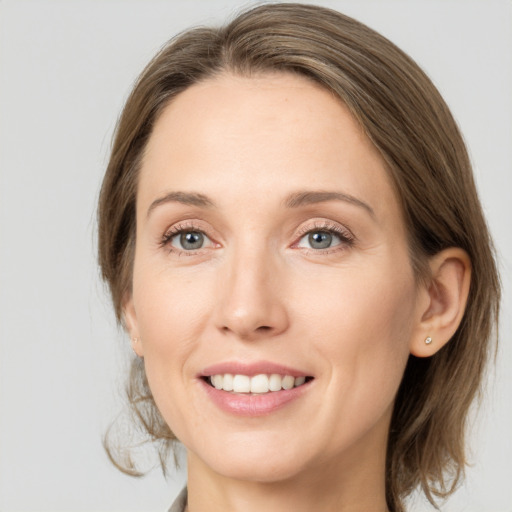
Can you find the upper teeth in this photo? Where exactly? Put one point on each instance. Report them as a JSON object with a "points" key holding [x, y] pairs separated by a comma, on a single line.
{"points": [[258, 384]]}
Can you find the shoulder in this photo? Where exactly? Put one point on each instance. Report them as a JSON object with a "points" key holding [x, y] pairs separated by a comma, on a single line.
{"points": [[180, 502]]}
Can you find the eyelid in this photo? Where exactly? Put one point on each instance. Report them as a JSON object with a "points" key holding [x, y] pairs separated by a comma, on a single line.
{"points": [[184, 226], [324, 225], [346, 236], [344, 233]]}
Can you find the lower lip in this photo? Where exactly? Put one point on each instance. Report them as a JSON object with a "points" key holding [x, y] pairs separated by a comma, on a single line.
{"points": [[242, 404]]}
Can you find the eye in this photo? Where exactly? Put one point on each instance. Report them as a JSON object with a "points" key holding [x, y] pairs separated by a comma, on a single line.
{"points": [[320, 239], [189, 240], [186, 239]]}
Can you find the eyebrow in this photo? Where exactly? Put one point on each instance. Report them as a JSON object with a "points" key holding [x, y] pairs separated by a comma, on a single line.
{"points": [[188, 198], [294, 200], [303, 198]]}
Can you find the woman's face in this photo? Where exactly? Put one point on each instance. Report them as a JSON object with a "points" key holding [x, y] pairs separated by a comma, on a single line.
{"points": [[270, 242]]}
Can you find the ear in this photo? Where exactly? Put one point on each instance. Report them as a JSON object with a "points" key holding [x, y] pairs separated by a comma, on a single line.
{"points": [[446, 297], [130, 320]]}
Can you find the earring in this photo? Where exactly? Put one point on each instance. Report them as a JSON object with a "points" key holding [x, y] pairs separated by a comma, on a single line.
{"points": [[135, 341], [428, 340]]}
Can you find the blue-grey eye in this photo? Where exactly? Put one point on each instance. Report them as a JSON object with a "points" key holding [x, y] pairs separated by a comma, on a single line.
{"points": [[189, 240], [319, 240]]}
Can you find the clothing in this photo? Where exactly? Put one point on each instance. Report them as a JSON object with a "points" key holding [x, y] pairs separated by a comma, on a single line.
{"points": [[180, 503]]}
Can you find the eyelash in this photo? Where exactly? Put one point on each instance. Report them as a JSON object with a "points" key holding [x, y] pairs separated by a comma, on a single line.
{"points": [[346, 237], [178, 229]]}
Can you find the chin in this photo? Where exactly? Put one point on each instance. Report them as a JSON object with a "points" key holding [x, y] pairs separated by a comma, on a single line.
{"points": [[256, 459], [277, 470]]}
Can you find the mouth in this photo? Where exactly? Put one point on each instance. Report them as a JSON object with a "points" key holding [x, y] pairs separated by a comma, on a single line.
{"points": [[253, 389], [259, 384]]}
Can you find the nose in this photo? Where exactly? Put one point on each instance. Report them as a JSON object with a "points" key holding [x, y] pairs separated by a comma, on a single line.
{"points": [[251, 305]]}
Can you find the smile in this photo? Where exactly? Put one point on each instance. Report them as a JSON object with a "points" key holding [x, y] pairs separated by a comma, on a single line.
{"points": [[256, 384], [254, 389]]}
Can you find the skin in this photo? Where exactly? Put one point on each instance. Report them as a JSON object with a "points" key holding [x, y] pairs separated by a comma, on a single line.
{"points": [[349, 315]]}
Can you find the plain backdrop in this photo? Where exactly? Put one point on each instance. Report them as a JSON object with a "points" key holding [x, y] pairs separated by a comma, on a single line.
{"points": [[66, 68]]}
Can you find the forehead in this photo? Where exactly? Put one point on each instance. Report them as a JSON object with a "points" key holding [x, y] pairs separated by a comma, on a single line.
{"points": [[268, 134], [241, 112]]}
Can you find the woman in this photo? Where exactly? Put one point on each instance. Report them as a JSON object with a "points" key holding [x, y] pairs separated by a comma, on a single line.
{"points": [[292, 237]]}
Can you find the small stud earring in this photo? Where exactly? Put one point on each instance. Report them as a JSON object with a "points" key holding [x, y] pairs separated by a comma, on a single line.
{"points": [[135, 341], [428, 340]]}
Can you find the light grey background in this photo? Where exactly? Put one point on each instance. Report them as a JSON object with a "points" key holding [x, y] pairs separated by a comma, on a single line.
{"points": [[65, 69]]}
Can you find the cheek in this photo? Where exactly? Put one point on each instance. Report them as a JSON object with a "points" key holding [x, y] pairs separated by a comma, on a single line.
{"points": [[171, 313], [365, 307], [170, 317], [362, 323], [169, 305]]}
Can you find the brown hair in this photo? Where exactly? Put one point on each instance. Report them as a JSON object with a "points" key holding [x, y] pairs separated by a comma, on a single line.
{"points": [[405, 117]]}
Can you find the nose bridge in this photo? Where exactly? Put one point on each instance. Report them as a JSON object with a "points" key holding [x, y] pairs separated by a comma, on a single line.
{"points": [[250, 305]]}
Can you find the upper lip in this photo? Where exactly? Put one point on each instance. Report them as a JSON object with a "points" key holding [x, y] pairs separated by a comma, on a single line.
{"points": [[251, 369]]}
